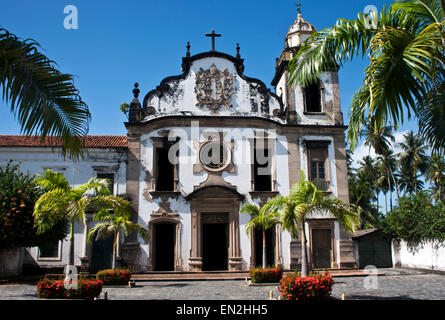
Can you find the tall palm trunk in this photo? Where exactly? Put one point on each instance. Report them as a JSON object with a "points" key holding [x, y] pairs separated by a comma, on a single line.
{"points": [[304, 263], [264, 248], [71, 251], [115, 249]]}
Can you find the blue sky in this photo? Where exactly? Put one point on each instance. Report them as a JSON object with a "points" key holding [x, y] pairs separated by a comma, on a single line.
{"points": [[118, 43]]}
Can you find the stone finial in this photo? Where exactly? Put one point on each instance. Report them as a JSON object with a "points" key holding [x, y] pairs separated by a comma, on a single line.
{"points": [[136, 90], [237, 51], [188, 49], [135, 106]]}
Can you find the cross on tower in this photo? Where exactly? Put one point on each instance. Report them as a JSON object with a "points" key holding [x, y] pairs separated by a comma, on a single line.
{"points": [[213, 35], [299, 7]]}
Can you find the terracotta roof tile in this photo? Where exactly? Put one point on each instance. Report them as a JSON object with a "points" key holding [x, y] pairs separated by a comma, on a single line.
{"points": [[90, 141]]}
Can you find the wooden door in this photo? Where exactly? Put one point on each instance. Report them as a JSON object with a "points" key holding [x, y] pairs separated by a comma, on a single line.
{"points": [[321, 248]]}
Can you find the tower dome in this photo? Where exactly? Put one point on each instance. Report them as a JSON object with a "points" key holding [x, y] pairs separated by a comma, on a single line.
{"points": [[298, 32]]}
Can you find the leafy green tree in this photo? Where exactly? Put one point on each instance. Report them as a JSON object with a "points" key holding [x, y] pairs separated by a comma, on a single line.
{"points": [[61, 200], [436, 174], [416, 219], [305, 199], [262, 219], [111, 224], [406, 69], [43, 99], [18, 193]]}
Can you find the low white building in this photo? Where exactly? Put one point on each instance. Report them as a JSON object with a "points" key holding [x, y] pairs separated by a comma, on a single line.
{"points": [[201, 145]]}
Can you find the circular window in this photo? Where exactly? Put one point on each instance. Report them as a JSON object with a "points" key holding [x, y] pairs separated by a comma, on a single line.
{"points": [[214, 155]]}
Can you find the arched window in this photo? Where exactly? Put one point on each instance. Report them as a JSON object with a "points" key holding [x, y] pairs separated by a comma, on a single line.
{"points": [[312, 97]]}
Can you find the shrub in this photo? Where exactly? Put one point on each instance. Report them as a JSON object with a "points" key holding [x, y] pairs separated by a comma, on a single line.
{"points": [[55, 289], [267, 275], [114, 276], [295, 287], [18, 193]]}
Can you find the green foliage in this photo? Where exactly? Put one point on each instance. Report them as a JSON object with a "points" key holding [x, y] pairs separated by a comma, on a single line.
{"points": [[266, 275], [406, 70], [416, 219], [43, 99], [18, 193], [114, 276]]}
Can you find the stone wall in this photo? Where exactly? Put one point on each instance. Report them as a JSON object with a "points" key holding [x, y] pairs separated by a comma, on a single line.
{"points": [[11, 262], [423, 255]]}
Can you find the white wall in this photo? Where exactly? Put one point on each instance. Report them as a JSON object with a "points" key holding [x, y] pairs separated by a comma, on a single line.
{"points": [[35, 160], [187, 180], [423, 255]]}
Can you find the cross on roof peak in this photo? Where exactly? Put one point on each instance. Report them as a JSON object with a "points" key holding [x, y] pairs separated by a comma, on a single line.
{"points": [[213, 35]]}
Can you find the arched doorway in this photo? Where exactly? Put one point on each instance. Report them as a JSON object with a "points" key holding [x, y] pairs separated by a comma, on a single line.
{"points": [[215, 239]]}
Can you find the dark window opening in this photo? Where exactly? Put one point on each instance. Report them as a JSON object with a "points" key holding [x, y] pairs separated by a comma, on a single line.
{"points": [[49, 251], [312, 95], [165, 171], [262, 170]]}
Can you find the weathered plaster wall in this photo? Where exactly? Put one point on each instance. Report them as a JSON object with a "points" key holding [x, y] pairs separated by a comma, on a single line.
{"points": [[34, 160], [423, 255]]}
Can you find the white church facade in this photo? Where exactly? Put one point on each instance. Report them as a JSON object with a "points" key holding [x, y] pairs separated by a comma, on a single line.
{"points": [[200, 146]]}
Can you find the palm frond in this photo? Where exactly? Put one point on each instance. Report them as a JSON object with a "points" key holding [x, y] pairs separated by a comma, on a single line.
{"points": [[43, 99]]}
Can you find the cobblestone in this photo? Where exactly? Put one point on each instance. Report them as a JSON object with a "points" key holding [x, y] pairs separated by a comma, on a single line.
{"points": [[395, 284]]}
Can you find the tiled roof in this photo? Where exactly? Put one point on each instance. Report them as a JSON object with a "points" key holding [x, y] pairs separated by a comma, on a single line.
{"points": [[361, 233], [89, 141]]}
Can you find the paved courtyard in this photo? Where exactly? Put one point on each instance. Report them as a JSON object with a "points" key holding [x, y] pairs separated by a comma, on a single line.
{"points": [[395, 284]]}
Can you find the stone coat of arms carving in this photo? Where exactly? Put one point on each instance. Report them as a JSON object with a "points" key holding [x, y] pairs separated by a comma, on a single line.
{"points": [[214, 88]]}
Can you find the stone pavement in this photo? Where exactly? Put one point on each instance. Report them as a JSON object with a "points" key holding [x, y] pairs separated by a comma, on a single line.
{"points": [[395, 284]]}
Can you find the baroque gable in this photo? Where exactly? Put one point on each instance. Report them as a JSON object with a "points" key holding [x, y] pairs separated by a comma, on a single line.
{"points": [[212, 84]]}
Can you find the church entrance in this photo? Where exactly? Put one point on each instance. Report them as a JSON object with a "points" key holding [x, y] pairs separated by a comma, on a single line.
{"points": [[321, 248], [215, 242], [102, 254], [164, 246]]}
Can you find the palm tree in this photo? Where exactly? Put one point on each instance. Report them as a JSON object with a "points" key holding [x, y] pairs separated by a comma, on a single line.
{"points": [[388, 165], [436, 174], [64, 201], [305, 199], [263, 219], [114, 224], [412, 158], [380, 139], [405, 44], [43, 99], [361, 196]]}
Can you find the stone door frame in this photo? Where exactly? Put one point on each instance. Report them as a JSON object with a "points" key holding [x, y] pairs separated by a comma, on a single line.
{"points": [[177, 249], [220, 201], [324, 224]]}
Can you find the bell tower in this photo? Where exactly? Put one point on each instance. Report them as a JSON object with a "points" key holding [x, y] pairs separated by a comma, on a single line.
{"points": [[318, 103]]}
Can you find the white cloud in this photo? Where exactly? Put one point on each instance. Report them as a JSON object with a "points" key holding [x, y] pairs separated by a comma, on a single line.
{"points": [[361, 151]]}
